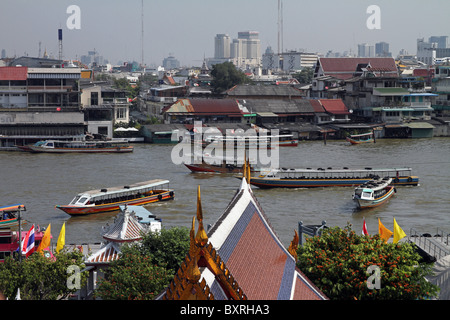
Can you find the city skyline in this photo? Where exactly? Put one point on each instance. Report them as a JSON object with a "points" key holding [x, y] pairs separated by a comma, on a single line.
{"points": [[187, 30]]}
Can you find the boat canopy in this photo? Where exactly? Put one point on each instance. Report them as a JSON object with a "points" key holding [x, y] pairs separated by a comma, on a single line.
{"points": [[132, 189], [338, 173]]}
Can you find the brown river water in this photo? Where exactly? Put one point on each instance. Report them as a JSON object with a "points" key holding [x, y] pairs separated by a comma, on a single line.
{"points": [[41, 181]]}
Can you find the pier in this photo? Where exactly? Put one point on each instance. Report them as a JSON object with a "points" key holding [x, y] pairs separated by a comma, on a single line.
{"points": [[434, 246]]}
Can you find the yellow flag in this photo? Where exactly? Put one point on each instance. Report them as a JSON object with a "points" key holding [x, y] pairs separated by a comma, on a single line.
{"points": [[398, 232], [384, 232], [45, 242], [62, 238]]}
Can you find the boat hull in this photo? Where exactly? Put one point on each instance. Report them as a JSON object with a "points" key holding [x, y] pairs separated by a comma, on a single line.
{"points": [[288, 143], [359, 142], [204, 167], [79, 150], [364, 204], [314, 183], [9, 223], [115, 206]]}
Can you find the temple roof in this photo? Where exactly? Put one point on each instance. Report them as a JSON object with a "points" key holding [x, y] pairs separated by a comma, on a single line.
{"points": [[241, 257], [126, 228]]}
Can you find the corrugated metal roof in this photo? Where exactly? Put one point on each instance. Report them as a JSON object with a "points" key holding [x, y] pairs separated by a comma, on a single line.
{"points": [[334, 106], [344, 68], [264, 90], [13, 73], [420, 125]]}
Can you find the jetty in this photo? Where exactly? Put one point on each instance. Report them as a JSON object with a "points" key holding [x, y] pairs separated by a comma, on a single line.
{"points": [[434, 247]]}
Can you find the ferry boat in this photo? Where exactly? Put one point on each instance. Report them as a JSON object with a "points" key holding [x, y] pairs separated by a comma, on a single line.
{"points": [[329, 177], [212, 164], [361, 138], [263, 141], [373, 193], [104, 200], [9, 215], [83, 146]]}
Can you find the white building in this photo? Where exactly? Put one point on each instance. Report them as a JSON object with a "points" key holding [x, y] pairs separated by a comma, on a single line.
{"points": [[244, 52], [426, 51], [288, 61], [222, 44]]}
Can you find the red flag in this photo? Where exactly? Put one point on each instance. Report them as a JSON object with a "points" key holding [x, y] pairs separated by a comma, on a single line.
{"points": [[364, 230]]}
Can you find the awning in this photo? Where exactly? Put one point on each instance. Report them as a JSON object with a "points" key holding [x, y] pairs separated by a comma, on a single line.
{"points": [[390, 92], [267, 114], [397, 109], [420, 125]]}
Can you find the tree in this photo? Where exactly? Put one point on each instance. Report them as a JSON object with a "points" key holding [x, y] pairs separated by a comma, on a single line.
{"points": [[167, 248], [338, 261], [304, 76], [40, 278], [144, 271], [133, 277], [226, 75]]}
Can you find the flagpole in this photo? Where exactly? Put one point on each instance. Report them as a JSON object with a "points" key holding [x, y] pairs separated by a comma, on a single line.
{"points": [[20, 236]]}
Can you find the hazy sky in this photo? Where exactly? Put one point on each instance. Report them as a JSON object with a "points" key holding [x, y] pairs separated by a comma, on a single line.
{"points": [[186, 28]]}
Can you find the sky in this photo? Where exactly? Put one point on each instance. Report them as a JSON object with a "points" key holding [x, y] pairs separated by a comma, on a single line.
{"points": [[186, 28]]}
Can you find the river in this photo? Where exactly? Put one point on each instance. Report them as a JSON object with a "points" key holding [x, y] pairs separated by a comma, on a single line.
{"points": [[41, 181]]}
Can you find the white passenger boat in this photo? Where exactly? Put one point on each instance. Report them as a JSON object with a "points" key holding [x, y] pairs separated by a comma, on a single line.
{"points": [[110, 199], [373, 193]]}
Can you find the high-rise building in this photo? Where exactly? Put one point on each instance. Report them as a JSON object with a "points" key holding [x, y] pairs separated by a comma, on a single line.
{"points": [[170, 63], [366, 51], [222, 46], [382, 49], [442, 41], [244, 52]]}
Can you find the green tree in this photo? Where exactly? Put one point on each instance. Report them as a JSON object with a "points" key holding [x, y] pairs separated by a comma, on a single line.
{"points": [[133, 277], [167, 248], [338, 261], [40, 278], [305, 75], [226, 75], [144, 271]]}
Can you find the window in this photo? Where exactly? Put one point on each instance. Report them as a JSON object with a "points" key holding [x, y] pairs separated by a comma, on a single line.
{"points": [[103, 130], [121, 113], [94, 98]]}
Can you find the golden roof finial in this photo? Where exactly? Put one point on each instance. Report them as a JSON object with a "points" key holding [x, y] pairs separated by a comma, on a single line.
{"points": [[293, 246], [201, 237]]}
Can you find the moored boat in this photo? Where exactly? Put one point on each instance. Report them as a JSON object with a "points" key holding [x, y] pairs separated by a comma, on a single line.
{"points": [[10, 241], [329, 177], [373, 193], [9, 215], [361, 138], [110, 199], [83, 146], [259, 141]]}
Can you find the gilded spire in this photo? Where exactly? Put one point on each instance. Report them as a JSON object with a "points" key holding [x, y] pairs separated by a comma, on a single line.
{"points": [[201, 238], [293, 246]]}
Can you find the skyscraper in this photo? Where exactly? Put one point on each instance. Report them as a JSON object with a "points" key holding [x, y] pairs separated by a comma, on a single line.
{"points": [[382, 49], [222, 46], [366, 51]]}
